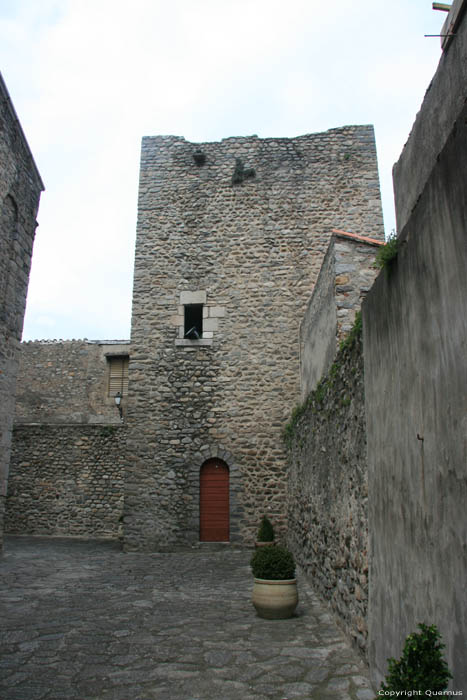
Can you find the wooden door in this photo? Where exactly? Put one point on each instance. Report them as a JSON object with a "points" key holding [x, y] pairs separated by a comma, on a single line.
{"points": [[214, 502]]}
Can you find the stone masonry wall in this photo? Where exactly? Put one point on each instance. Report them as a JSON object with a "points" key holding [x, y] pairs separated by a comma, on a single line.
{"points": [[328, 491], [250, 251], [20, 188], [66, 480], [67, 382], [346, 275]]}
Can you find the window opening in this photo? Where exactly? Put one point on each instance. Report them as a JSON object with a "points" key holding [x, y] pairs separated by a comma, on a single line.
{"points": [[118, 375], [193, 321]]}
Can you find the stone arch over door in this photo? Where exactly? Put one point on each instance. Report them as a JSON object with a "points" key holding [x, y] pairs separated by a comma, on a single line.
{"points": [[194, 461], [214, 501]]}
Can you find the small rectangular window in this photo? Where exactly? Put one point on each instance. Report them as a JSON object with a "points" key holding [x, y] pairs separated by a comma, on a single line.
{"points": [[193, 321], [118, 375]]}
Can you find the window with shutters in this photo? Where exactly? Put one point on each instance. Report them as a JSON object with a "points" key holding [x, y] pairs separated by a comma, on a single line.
{"points": [[118, 375]]}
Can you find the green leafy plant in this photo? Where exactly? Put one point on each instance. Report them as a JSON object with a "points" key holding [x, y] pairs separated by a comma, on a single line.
{"points": [[421, 666], [266, 530], [241, 173], [289, 429], [316, 398], [107, 430], [354, 332], [388, 252], [273, 564]]}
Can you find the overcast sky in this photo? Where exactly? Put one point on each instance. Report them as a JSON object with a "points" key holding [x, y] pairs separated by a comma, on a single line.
{"points": [[89, 78]]}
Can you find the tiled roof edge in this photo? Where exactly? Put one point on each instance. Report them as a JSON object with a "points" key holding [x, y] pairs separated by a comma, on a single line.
{"points": [[357, 237]]}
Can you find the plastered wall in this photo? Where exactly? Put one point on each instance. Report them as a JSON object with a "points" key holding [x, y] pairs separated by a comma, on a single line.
{"points": [[415, 341]]}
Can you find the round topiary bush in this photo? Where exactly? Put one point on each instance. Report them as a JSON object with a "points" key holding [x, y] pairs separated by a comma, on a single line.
{"points": [[266, 530], [273, 564]]}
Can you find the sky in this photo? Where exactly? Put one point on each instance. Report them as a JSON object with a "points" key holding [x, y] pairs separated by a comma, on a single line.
{"points": [[89, 78]]}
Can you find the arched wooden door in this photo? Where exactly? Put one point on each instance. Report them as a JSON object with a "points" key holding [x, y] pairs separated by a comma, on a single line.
{"points": [[214, 510]]}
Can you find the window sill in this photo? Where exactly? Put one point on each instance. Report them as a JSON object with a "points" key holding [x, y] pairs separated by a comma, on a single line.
{"points": [[186, 342]]}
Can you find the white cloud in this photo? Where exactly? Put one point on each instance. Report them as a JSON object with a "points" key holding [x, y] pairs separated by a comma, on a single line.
{"points": [[89, 78]]}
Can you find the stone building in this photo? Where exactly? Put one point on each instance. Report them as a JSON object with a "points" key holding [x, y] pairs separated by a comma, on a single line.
{"points": [[68, 453], [377, 473], [20, 188], [71, 381], [327, 494], [230, 240], [346, 275]]}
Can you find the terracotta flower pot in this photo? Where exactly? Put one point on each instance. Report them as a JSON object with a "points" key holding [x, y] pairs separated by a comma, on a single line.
{"points": [[275, 600]]}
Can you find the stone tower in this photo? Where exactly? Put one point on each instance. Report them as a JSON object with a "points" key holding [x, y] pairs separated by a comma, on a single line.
{"points": [[230, 240], [20, 190]]}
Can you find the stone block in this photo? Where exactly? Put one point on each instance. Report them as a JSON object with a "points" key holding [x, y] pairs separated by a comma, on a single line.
{"points": [[198, 297], [216, 311], [210, 324]]}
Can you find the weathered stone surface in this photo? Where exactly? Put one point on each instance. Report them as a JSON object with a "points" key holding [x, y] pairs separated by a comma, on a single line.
{"points": [[254, 249], [336, 298], [20, 188], [67, 382], [328, 491], [66, 480], [71, 629]]}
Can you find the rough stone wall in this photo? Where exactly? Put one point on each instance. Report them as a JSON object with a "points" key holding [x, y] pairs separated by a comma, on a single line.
{"points": [[328, 491], [67, 382], [252, 251], [415, 323], [20, 188], [345, 277], [66, 480]]}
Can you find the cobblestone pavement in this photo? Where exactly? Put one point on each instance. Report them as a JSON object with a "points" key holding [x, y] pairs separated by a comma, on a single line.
{"points": [[85, 621]]}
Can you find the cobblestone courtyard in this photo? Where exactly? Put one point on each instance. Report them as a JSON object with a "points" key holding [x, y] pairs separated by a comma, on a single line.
{"points": [[84, 621]]}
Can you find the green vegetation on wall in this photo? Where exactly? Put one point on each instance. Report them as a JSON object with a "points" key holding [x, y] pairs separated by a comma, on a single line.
{"points": [[388, 253], [318, 396]]}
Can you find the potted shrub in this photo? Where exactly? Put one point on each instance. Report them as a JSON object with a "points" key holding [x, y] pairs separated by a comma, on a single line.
{"points": [[265, 534], [275, 594]]}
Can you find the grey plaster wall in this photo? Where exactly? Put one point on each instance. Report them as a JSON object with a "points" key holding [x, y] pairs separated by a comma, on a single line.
{"points": [[444, 99], [66, 480], [20, 188], [252, 251], [415, 321], [328, 491]]}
